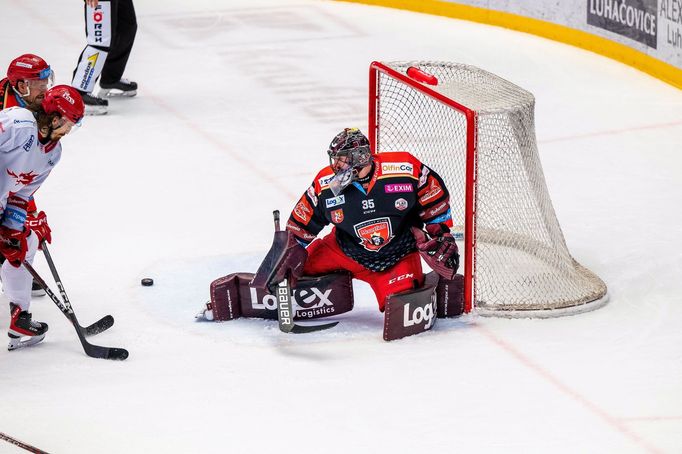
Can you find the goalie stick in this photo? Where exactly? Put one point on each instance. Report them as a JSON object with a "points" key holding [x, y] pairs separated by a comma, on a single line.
{"points": [[94, 351], [285, 310], [100, 325]]}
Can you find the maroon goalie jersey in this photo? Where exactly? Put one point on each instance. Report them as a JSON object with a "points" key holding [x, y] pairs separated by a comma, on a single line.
{"points": [[373, 227]]}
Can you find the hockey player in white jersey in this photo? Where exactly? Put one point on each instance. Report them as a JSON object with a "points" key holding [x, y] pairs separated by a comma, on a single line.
{"points": [[28, 77], [29, 149]]}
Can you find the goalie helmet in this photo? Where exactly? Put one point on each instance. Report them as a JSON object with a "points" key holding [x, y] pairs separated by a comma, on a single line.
{"points": [[348, 153], [28, 67], [349, 150], [66, 101]]}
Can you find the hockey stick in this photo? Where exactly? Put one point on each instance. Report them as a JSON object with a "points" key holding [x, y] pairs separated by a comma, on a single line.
{"points": [[94, 351], [21, 444], [100, 325], [285, 313], [285, 310]]}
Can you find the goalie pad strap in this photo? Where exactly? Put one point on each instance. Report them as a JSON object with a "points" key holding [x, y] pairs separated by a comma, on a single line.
{"points": [[450, 296]]}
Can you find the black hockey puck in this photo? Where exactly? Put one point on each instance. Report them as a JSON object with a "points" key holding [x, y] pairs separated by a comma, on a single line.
{"points": [[147, 282]]}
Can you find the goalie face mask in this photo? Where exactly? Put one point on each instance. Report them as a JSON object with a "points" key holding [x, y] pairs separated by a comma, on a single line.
{"points": [[348, 152]]}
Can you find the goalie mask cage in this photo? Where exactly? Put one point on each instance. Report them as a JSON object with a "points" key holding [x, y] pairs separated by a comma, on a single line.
{"points": [[477, 131]]}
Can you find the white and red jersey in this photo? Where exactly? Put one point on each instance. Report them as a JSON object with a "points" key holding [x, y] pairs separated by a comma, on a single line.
{"points": [[24, 163]]}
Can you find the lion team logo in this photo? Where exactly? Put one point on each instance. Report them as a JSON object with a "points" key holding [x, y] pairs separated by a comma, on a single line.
{"points": [[337, 216], [374, 234], [23, 178]]}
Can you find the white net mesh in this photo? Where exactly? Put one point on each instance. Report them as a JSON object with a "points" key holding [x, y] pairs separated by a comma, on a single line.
{"points": [[522, 265]]}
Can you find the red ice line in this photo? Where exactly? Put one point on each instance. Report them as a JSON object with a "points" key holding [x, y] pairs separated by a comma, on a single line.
{"points": [[262, 174], [591, 406]]}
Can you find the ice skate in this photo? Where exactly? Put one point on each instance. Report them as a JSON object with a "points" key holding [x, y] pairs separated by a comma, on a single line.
{"points": [[206, 313], [94, 105], [22, 325], [37, 290], [122, 88], [15, 342]]}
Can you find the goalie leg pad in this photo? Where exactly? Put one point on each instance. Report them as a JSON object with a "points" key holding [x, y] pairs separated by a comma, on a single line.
{"points": [[232, 297], [312, 298], [225, 296], [450, 296], [411, 312]]}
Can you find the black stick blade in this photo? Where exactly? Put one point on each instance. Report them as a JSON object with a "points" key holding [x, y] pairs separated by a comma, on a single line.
{"points": [[96, 351], [117, 354], [301, 329], [99, 326]]}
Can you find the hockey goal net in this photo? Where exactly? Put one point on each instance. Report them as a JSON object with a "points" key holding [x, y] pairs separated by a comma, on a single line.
{"points": [[477, 131]]}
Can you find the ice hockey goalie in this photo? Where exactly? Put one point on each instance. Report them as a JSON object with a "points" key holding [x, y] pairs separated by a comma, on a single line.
{"points": [[387, 211]]}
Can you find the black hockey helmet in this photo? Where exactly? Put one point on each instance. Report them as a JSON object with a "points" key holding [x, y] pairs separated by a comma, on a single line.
{"points": [[349, 150]]}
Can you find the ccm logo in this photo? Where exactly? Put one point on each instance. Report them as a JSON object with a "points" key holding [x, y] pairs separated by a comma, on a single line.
{"points": [[402, 277], [420, 315]]}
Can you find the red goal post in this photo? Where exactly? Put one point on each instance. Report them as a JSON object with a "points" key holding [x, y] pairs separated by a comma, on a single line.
{"points": [[477, 131]]}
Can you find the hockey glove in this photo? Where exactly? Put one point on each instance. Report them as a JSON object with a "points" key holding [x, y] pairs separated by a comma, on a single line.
{"points": [[438, 250], [38, 224], [13, 245]]}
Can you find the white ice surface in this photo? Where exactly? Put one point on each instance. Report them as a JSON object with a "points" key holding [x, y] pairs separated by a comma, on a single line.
{"points": [[237, 103]]}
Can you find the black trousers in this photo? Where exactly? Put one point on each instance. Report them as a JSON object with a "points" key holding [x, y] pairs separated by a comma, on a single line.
{"points": [[121, 26]]}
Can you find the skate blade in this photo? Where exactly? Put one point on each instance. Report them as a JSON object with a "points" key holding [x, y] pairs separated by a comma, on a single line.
{"points": [[204, 316], [95, 110], [115, 93], [16, 343]]}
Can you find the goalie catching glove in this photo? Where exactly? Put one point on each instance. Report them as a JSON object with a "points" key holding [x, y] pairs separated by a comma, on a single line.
{"points": [[438, 250]]}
